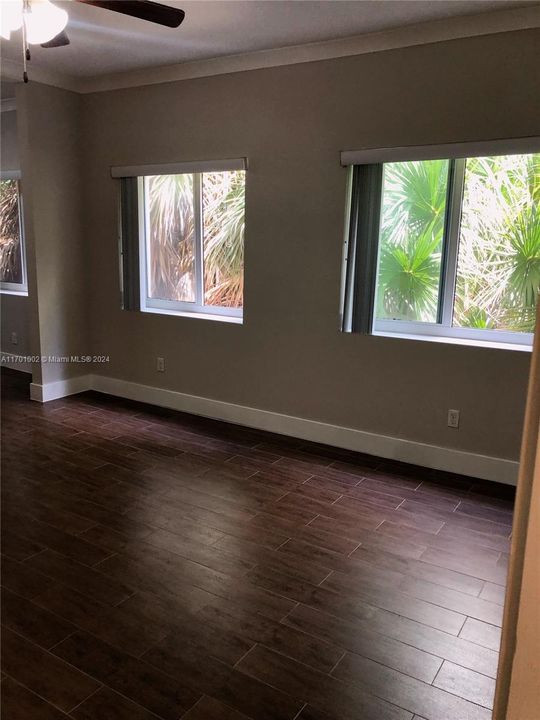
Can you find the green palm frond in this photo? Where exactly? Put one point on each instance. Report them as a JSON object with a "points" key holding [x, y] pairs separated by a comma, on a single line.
{"points": [[523, 258], [408, 278], [476, 317], [414, 202], [172, 240], [224, 228], [10, 251], [172, 237], [414, 198], [499, 255]]}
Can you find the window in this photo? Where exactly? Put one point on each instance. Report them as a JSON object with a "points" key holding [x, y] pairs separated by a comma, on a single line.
{"points": [[12, 257], [187, 230], [445, 248]]}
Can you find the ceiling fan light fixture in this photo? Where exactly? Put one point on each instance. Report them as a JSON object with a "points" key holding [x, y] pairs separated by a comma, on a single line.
{"points": [[44, 21], [11, 17]]}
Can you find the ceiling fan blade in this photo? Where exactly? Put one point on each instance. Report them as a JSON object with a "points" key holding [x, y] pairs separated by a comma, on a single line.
{"points": [[58, 41], [143, 9]]}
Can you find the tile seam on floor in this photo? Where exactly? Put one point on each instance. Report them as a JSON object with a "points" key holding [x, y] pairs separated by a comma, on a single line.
{"points": [[33, 691]]}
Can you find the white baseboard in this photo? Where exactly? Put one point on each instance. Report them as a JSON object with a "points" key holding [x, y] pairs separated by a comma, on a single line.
{"points": [[409, 451], [60, 388], [15, 362]]}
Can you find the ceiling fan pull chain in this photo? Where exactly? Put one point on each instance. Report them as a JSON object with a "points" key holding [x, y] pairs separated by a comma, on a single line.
{"points": [[43, 23], [26, 49]]}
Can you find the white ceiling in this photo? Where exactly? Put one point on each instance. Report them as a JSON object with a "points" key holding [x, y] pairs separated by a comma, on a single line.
{"points": [[104, 42]]}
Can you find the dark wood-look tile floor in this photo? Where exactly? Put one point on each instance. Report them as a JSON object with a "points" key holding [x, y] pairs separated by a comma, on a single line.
{"points": [[158, 565]]}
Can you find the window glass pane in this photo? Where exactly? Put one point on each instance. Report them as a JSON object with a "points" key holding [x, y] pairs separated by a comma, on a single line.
{"points": [[170, 237], [11, 269], [411, 240], [498, 271], [223, 201]]}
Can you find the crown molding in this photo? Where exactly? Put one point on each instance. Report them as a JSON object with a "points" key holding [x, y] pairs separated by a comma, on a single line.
{"points": [[12, 71], [420, 34]]}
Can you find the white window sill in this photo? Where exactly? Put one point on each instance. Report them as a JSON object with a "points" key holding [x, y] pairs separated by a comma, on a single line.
{"points": [[20, 293], [235, 320], [456, 341]]}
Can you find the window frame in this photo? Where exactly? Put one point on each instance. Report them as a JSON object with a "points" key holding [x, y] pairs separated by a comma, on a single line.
{"points": [[197, 308], [442, 330], [10, 288]]}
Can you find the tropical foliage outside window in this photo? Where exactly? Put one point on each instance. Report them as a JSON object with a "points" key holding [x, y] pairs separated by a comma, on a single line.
{"points": [[171, 238], [195, 238], [11, 257], [497, 275], [412, 226]]}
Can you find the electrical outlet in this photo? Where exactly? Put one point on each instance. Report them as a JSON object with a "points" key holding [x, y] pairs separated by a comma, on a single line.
{"points": [[14, 338], [160, 364], [453, 418]]}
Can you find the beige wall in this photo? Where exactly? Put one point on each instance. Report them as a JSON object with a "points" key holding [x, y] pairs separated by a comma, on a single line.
{"points": [[9, 148], [13, 308], [291, 122], [14, 319], [50, 150]]}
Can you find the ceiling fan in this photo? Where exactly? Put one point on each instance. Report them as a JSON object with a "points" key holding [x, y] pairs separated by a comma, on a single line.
{"points": [[43, 23]]}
